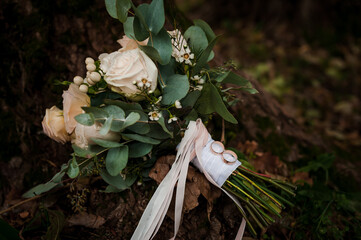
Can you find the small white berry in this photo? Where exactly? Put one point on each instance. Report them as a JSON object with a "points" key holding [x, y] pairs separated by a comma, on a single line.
{"points": [[134, 82], [91, 67], [78, 80], [140, 84], [89, 60], [95, 76], [83, 88], [201, 81], [178, 104], [150, 91], [88, 80]]}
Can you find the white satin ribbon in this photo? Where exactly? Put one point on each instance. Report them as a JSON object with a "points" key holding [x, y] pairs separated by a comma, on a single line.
{"points": [[195, 139]]}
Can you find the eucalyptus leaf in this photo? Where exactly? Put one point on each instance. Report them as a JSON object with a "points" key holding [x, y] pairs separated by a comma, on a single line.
{"points": [[112, 189], [231, 77], [41, 188], [141, 138], [140, 127], [140, 27], [73, 168], [152, 53], [106, 144], [139, 149], [128, 27], [155, 17], [197, 39], [157, 131], [161, 122], [111, 8], [131, 119], [106, 127], [190, 99], [85, 153], [124, 105], [97, 112], [206, 28], [118, 181], [116, 160], [204, 57], [250, 90], [192, 116], [86, 119], [115, 111], [176, 88], [163, 44], [122, 7], [210, 101]]}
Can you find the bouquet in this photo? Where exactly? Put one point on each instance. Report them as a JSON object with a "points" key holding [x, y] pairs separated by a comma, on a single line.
{"points": [[137, 102]]}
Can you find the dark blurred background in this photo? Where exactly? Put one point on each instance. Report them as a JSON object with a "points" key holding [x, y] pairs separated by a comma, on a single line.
{"points": [[305, 54]]}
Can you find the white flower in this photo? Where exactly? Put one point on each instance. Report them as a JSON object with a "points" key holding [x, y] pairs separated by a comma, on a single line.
{"points": [[195, 77], [154, 115], [199, 87], [201, 81], [177, 104], [123, 68], [181, 52], [173, 119]]}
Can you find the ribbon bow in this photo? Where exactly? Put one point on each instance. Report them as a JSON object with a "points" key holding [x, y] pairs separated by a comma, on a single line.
{"points": [[210, 158]]}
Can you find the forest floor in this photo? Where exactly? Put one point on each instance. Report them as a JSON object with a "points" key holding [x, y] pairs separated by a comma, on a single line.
{"points": [[315, 78]]}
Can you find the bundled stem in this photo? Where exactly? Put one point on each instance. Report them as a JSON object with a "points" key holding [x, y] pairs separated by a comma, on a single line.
{"points": [[261, 204]]}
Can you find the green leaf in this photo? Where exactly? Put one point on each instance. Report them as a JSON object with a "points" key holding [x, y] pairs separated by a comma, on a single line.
{"points": [[197, 39], [115, 111], [57, 222], [112, 189], [86, 119], [123, 105], [131, 119], [250, 90], [7, 232], [123, 7], [116, 160], [140, 27], [190, 99], [161, 122], [140, 127], [97, 112], [210, 101], [231, 77], [85, 153], [73, 168], [128, 27], [151, 52], [176, 88], [206, 28], [111, 8], [118, 181], [41, 188], [155, 17], [163, 44], [106, 144], [192, 116], [203, 59], [106, 127], [139, 149], [141, 138], [157, 131]]}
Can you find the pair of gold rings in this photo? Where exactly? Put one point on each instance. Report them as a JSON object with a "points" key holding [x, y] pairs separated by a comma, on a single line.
{"points": [[228, 156]]}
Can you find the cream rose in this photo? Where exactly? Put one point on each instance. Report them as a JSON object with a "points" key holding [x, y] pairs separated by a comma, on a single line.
{"points": [[129, 44], [129, 71], [73, 100], [54, 125], [83, 134]]}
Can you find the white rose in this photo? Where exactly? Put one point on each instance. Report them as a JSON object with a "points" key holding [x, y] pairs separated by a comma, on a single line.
{"points": [[129, 44], [124, 70], [83, 134]]}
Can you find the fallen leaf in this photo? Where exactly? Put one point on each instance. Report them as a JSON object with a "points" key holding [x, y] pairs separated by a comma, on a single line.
{"points": [[86, 220], [24, 214], [301, 178]]}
